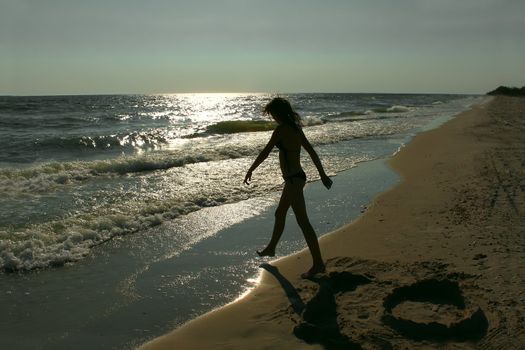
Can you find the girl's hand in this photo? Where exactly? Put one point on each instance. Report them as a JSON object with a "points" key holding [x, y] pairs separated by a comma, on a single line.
{"points": [[327, 182], [248, 177]]}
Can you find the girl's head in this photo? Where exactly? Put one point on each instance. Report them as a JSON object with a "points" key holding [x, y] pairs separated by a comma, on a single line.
{"points": [[283, 113]]}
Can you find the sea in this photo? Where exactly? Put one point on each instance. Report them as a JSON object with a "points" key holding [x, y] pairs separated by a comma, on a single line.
{"points": [[83, 176]]}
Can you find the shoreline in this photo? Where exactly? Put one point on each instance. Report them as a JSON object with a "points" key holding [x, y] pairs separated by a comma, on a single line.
{"points": [[153, 287], [426, 227]]}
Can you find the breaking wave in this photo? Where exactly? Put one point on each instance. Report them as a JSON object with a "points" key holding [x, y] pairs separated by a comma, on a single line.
{"points": [[236, 126], [392, 109]]}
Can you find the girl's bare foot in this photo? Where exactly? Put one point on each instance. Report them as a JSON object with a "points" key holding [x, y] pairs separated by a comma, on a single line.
{"points": [[313, 271], [266, 252]]}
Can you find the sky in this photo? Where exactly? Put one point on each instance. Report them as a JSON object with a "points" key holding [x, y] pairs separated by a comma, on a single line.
{"points": [[52, 47]]}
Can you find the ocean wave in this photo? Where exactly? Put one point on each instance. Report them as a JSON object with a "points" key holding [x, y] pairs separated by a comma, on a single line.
{"points": [[343, 117], [72, 237], [26, 149], [136, 139], [41, 179], [160, 197], [312, 121], [141, 163], [348, 114], [48, 177], [178, 192], [237, 126], [392, 109], [59, 242], [51, 176]]}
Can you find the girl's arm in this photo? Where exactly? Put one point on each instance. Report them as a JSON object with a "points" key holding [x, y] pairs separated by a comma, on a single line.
{"points": [[263, 155], [327, 182]]}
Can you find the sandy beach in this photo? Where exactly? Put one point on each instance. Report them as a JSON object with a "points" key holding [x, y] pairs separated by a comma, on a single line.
{"points": [[436, 262]]}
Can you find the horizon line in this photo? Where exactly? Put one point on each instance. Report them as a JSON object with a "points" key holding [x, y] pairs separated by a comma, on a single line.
{"points": [[235, 92]]}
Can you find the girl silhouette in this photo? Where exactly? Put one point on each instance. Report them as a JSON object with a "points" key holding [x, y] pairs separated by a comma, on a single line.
{"points": [[288, 137]]}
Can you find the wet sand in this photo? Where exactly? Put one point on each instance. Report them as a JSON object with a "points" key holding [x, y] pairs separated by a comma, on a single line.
{"points": [[437, 261]]}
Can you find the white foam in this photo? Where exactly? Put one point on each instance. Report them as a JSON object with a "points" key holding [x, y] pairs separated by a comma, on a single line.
{"points": [[398, 108], [311, 121]]}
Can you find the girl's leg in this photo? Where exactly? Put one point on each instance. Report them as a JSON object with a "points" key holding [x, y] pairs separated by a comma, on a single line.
{"points": [[280, 219], [299, 208]]}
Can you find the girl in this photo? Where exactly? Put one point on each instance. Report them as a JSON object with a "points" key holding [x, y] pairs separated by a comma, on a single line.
{"points": [[289, 137]]}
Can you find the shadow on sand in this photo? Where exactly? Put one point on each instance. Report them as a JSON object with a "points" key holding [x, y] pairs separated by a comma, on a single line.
{"points": [[319, 315]]}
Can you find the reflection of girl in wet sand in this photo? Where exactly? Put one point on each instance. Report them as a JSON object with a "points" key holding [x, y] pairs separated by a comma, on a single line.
{"points": [[289, 137]]}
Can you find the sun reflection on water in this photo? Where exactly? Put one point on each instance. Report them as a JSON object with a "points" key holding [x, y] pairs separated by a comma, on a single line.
{"points": [[213, 107], [253, 282]]}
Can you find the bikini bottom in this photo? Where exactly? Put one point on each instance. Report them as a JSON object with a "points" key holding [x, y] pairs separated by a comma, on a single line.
{"points": [[300, 175]]}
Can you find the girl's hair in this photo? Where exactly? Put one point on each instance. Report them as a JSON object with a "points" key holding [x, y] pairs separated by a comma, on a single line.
{"points": [[281, 110]]}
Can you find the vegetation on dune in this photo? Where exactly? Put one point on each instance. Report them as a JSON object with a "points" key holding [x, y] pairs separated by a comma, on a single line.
{"points": [[508, 91]]}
